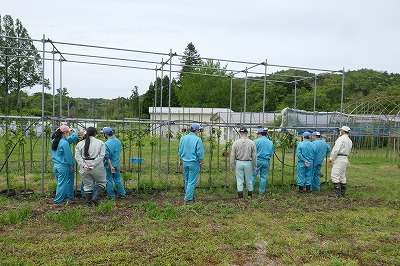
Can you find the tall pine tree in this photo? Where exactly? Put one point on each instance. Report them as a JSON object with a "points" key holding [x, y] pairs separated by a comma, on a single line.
{"points": [[20, 63]]}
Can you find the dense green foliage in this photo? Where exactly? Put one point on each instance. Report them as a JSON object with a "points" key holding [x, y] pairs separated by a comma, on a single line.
{"points": [[212, 91], [20, 62]]}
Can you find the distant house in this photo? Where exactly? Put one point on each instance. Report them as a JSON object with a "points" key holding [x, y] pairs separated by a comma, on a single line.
{"points": [[182, 117], [211, 119]]}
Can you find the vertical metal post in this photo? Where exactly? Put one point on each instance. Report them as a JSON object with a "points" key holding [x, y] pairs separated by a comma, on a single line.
{"points": [[154, 119], [155, 100], [295, 94], [315, 101], [54, 84], [341, 99], [60, 88], [245, 98], [161, 123], [169, 119], [229, 120], [265, 88], [43, 139]]}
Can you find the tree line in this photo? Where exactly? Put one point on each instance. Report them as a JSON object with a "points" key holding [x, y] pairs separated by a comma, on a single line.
{"points": [[201, 83]]}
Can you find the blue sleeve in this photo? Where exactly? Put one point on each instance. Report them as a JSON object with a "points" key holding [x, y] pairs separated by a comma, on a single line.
{"points": [[71, 139], [107, 155], [299, 154], [180, 148], [200, 149], [328, 148]]}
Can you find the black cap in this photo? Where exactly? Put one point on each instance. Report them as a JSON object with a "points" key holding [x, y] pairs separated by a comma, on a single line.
{"points": [[243, 130]]}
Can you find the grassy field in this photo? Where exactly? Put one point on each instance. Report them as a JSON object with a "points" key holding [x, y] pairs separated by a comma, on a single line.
{"points": [[154, 227]]}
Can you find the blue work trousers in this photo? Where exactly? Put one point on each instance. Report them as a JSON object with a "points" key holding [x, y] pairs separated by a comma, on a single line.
{"points": [[244, 171], [262, 168], [316, 183], [61, 173], [191, 172], [304, 172], [114, 178], [70, 185]]}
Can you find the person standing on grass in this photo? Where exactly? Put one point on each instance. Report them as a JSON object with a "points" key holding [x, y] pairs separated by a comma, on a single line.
{"points": [[89, 153], [339, 159], [191, 154], [265, 149], [111, 163], [305, 164], [322, 149], [71, 138], [244, 158], [63, 161]]}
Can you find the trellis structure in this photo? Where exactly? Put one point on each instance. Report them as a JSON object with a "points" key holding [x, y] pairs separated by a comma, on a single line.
{"points": [[159, 63]]}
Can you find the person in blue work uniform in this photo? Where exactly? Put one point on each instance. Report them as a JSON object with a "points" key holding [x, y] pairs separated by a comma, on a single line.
{"points": [[265, 149], [111, 163], [89, 154], [63, 161], [322, 149], [305, 164], [71, 138], [244, 159], [191, 154]]}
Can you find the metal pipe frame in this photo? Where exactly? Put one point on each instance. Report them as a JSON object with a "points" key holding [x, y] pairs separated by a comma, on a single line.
{"points": [[169, 61]]}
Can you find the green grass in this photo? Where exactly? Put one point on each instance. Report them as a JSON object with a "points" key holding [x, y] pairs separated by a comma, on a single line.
{"points": [[153, 226], [68, 218], [285, 228], [14, 216]]}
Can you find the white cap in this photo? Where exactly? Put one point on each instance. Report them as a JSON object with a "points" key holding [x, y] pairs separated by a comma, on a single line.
{"points": [[345, 128]]}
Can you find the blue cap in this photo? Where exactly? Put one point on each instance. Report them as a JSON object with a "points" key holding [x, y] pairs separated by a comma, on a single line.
{"points": [[106, 130], [306, 134], [196, 126], [262, 130], [316, 133]]}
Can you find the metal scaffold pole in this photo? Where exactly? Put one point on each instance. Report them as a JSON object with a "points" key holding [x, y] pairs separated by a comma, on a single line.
{"points": [[43, 139]]}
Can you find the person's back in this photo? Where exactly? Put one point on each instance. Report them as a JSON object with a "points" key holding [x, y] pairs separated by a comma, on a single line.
{"points": [[306, 151], [89, 154], [63, 154], [265, 148], [242, 149], [322, 149], [190, 148], [306, 154], [191, 153], [244, 159], [114, 147]]}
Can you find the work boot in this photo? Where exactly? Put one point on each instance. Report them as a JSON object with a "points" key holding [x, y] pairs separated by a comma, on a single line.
{"points": [[308, 189], [250, 194], [301, 189], [88, 197], [343, 189], [97, 196], [240, 194], [337, 192]]}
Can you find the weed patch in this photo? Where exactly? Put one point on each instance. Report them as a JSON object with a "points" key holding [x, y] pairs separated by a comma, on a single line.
{"points": [[69, 218]]}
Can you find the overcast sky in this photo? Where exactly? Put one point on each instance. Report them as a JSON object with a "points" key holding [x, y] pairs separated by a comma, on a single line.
{"points": [[317, 34]]}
